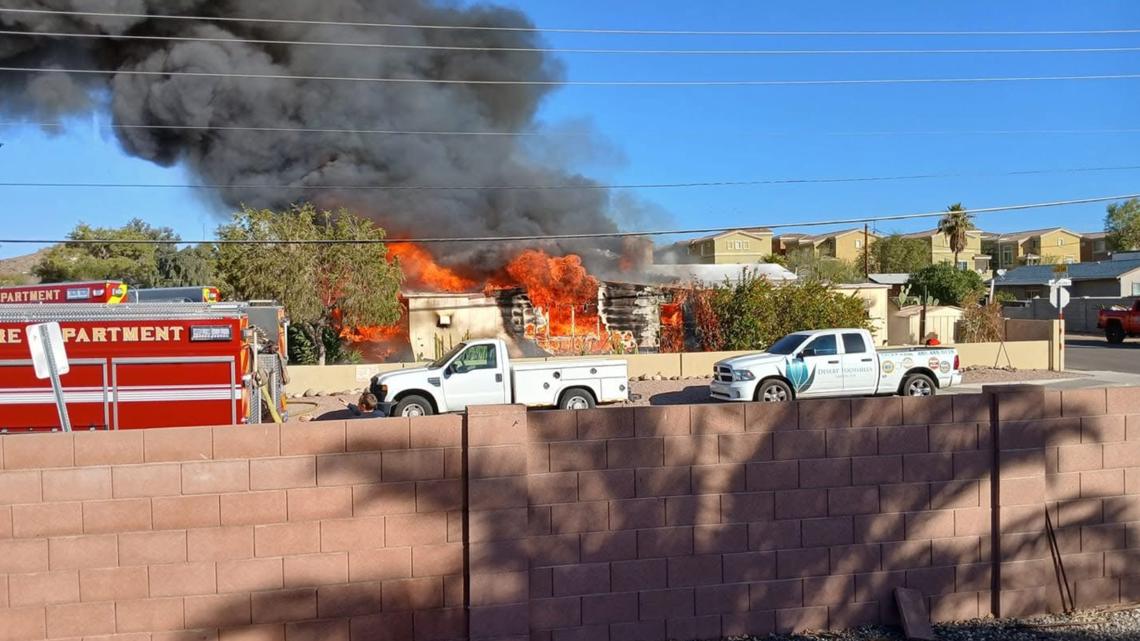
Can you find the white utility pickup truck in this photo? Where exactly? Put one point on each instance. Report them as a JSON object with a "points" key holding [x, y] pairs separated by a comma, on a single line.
{"points": [[833, 362], [479, 372]]}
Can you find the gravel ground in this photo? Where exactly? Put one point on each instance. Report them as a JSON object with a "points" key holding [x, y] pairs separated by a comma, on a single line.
{"points": [[1090, 625], [997, 375], [690, 391]]}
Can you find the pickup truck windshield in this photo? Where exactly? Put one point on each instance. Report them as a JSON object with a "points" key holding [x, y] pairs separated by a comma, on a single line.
{"points": [[442, 360], [787, 344]]}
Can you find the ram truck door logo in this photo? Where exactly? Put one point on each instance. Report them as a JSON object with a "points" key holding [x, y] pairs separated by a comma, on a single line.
{"points": [[800, 375]]}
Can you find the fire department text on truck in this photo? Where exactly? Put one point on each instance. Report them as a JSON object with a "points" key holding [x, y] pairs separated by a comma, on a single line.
{"points": [[145, 334], [31, 296]]}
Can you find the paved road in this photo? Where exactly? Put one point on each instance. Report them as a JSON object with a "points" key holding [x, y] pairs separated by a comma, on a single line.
{"points": [[1093, 353]]}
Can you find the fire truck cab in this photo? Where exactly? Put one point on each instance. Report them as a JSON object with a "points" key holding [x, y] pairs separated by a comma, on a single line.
{"points": [[139, 366]]}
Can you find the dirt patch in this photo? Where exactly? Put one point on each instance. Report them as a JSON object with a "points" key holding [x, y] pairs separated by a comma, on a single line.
{"points": [[997, 375]]}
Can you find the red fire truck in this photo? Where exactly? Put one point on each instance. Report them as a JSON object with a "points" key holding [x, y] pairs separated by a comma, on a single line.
{"points": [[108, 292], [175, 295], [147, 365]]}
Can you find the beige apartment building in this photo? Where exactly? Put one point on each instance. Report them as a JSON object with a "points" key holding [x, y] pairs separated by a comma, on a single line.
{"points": [[741, 246], [847, 244], [1033, 247], [938, 246]]}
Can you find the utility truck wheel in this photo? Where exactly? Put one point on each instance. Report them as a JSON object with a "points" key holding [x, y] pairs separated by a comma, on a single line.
{"points": [[918, 385], [773, 391], [1114, 333], [576, 399], [413, 406]]}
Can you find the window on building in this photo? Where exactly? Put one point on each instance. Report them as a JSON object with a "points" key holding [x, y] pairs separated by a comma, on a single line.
{"points": [[1061, 242], [1006, 256], [858, 243], [1099, 245], [738, 244], [963, 265]]}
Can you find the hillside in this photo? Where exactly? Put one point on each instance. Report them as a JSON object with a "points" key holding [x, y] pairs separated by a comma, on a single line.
{"points": [[20, 266]]}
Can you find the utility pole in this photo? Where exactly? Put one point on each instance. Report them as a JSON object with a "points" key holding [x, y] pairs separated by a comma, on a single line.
{"points": [[866, 252]]}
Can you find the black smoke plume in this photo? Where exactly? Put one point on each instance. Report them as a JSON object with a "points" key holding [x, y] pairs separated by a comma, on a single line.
{"points": [[251, 167]]}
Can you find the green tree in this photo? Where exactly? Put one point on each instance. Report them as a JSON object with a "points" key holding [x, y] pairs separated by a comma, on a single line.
{"points": [[950, 285], [134, 262], [322, 286], [753, 313], [805, 263], [1123, 225], [956, 225], [897, 254], [187, 267]]}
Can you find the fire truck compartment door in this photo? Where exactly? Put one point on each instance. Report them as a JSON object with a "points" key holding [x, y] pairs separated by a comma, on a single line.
{"points": [[27, 403], [164, 392]]}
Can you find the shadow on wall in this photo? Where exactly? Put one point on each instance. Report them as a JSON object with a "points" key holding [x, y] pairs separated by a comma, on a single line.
{"points": [[622, 524]]}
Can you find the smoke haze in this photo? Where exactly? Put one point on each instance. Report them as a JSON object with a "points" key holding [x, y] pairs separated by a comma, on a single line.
{"points": [[237, 159]]}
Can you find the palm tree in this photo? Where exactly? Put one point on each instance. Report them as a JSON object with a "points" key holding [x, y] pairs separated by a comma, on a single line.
{"points": [[956, 225]]}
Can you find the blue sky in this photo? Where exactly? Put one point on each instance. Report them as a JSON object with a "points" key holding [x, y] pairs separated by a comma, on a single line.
{"points": [[682, 134]]}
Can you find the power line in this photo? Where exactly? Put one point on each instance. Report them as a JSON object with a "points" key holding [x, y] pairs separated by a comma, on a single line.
{"points": [[651, 32], [583, 83], [575, 187], [561, 134], [678, 52], [579, 236]]}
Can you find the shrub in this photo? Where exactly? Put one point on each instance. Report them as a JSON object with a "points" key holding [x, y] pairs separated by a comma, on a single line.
{"points": [[945, 282], [753, 313]]}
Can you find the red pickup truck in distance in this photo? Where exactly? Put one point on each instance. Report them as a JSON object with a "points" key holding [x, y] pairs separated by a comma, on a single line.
{"points": [[1119, 323]]}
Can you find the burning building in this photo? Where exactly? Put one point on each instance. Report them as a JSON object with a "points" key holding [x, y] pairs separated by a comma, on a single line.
{"points": [[539, 304]]}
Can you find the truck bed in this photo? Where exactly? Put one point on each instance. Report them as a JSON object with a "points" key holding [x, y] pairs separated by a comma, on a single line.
{"points": [[916, 348], [541, 384]]}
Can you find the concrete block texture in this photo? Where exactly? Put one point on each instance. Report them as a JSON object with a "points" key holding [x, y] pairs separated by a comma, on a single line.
{"points": [[634, 524]]}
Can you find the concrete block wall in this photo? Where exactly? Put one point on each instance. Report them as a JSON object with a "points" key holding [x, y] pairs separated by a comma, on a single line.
{"points": [[636, 524], [310, 531], [721, 520], [1092, 491]]}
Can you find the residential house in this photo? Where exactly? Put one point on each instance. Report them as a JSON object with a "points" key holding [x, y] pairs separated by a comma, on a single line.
{"points": [[1112, 278], [847, 244], [1033, 247], [1094, 247], [747, 246]]}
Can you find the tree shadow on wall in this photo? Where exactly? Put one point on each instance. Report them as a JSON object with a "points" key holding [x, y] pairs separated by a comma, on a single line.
{"points": [[698, 522]]}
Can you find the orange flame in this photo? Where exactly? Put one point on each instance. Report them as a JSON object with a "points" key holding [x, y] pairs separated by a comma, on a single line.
{"points": [[672, 328], [422, 271], [560, 287], [566, 293]]}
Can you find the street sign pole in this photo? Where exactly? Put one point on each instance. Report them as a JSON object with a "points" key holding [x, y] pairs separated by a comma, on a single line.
{"points": [[1059, 296], [57, 389], [49, 359]]}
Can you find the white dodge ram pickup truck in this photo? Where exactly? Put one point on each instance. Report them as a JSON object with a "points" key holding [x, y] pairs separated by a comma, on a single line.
{"points": [[479, 372], [833, 362]]}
